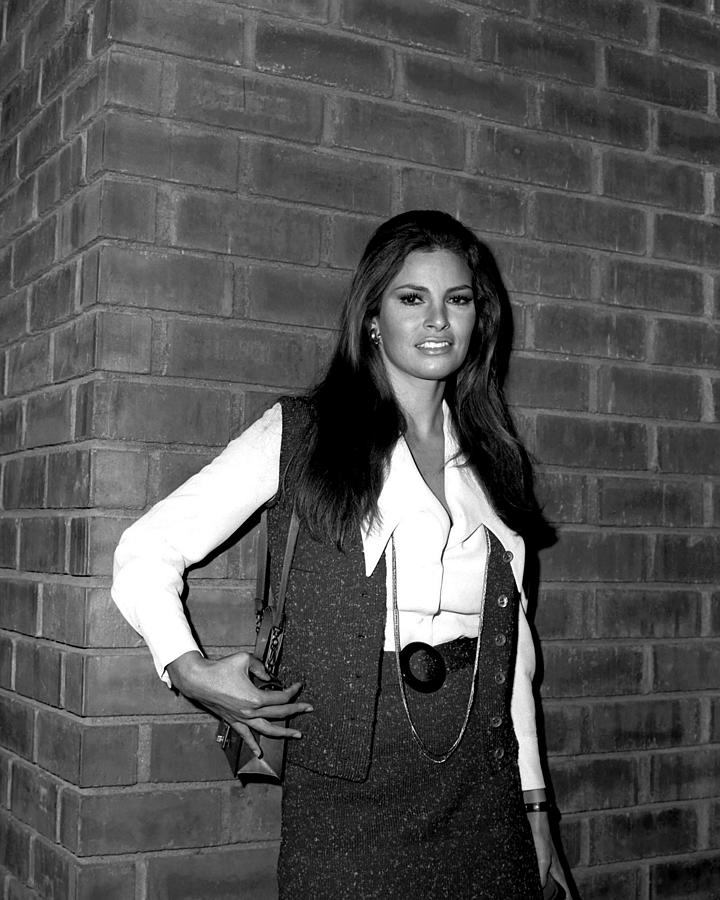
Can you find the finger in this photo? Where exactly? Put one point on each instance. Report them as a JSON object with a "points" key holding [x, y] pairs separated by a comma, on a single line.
{"points": [[247, 736], [273, 729], [277, 698], [258, 669], [283, 711]]}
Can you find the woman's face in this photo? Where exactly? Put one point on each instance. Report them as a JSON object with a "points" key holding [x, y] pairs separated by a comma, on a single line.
{"points": [[426, 319]]}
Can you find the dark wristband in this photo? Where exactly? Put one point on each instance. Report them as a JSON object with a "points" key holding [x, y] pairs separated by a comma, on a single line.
{"points": [[539, 806]]}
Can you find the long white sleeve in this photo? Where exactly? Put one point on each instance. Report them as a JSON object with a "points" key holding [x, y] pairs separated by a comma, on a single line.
{"points": [[183, 528]]}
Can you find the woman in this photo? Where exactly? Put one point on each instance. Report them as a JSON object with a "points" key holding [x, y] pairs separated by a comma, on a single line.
{"points": [[418, 772]]}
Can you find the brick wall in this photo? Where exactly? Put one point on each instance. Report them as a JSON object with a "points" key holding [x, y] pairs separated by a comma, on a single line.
{"points": [[185, 186]]}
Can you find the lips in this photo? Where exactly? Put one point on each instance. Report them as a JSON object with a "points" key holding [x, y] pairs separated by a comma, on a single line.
{"points": [[434, 345]]}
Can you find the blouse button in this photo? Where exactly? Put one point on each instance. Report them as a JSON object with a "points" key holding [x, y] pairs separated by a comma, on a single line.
{"points": [[500, 639], [498, 753], [496, 721], [502, 601], [508, 556], [499, 678]]}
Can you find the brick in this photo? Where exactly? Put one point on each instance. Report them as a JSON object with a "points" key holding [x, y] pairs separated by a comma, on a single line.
{"points": [[53, 298], [11, 420], [647, 613], [74, 347], [526, 156], [685, 667], [656, 183], [602, 556], [420, 24], [694, 5], [480, 204], [227, 98], [49, 418], [13, 315], [86, 755], [578, 330], [6, 267], [122, 142], [171, 468], [14, 846], [606, 783], [689, 36], [188, 27], [115, 880], [42, 544], [322, 56], [692, 878], [164, 413], [347, 239], [644, 392], [539, 50], [563, 497], [655, 79], [623, 20], [16, 211], [234, 352], [249, 871], [8, 543], [10, 62], [84, 618], [564, 613], [639, 502], [688, 450], [52, 870], [69, 479], [591, 223], [131, 821], [134, 81], [592, 671], [92, 544], [296, 296], [34, 251], [543, 269], [687, 343], [84, 98], [184, 752], [19, 606], [110, 208], [466, 89], [685, 558], [637, 284], [254, 816], [41, 138], [563, 724], [24, 483], [540, 382], [688, 137], [16, 726], [245, 227], [642, 833], [399, 132], [642, 724], [6, 677], [123, 342], [320, 179], [687, 240], [8, 166], [29, 365], [590, 114], [44, 27], [119, 479], [66, 57], [683, 775], [599, 884], [20, 102], [37, 673], [223, 617]]}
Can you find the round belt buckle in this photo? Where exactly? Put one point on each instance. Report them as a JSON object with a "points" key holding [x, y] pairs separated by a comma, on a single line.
{"points": [[422, 666]]}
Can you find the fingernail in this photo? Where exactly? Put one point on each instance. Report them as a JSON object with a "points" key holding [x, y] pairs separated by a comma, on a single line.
{"points": [[296, 734], [309, 709]]}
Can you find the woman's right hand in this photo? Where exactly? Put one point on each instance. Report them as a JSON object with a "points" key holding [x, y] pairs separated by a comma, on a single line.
{"points": [[224, 687]]}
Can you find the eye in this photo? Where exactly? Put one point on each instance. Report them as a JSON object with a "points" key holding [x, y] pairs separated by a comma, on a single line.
{"points": [[460, 299], [410, 299]]}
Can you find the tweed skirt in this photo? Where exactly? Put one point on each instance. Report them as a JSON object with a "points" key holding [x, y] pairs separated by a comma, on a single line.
{"points": [[414, 828]]}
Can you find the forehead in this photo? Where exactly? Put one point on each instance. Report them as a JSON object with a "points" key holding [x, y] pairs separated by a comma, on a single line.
{"points": [[429, 267]]}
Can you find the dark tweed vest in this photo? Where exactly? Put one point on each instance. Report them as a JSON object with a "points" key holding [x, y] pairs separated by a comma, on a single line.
{"points": [[335, 632]]}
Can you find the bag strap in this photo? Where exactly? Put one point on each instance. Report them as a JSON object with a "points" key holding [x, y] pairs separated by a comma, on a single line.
{"points": [[263, 596]]}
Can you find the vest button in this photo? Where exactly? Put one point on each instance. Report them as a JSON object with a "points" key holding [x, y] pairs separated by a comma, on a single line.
{"points": [[499, 678], [508, 556], [496, 721], [500, 640], [498, 753], [502, 601]]}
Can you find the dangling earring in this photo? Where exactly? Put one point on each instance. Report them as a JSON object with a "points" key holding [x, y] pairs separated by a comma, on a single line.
{"points": [[375, 336]]}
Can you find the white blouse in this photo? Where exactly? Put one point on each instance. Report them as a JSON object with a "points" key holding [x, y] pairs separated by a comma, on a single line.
{"points": [[441, 559]]}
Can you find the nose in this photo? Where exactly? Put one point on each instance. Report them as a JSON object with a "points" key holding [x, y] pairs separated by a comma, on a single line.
{"points": [[437, 316]]}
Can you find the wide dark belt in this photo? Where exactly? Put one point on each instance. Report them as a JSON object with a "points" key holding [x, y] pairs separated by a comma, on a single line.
{"points": [[424, 667]]}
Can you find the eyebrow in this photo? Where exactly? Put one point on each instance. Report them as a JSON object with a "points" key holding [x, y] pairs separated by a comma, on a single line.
{"points": [[420, 287]]}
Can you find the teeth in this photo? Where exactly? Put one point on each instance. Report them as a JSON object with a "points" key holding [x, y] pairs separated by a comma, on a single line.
{"points": [[434, 344]]}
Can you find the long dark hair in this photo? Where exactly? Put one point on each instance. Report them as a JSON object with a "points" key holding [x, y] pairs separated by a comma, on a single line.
{"points": [[356, 420]]}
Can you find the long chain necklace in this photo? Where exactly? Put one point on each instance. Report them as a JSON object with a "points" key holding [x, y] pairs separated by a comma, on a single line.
{"points": [[424, 749]]}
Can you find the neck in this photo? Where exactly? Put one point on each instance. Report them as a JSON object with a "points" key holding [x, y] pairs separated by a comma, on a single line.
{"points": [[423, 409]]}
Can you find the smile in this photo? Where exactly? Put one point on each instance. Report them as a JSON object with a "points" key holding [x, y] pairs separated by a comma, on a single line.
{"points": [[430, 346]]}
